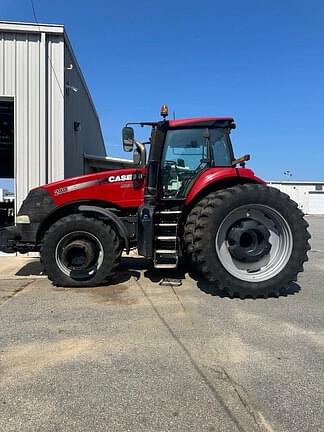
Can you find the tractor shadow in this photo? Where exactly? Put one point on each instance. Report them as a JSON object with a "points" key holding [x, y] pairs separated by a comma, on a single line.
{"points": [[137, 267], [129, 267], [134, 266], [33, 268]]}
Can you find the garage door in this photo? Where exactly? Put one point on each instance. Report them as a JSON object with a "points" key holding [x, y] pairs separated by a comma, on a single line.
{"points": [[316, 203]]}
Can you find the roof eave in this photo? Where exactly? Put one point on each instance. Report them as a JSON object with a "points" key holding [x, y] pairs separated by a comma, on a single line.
{"points": [[24, 27]]}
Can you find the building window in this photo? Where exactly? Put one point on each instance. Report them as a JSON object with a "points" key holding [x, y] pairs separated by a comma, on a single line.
{"points": [[318, 187]]}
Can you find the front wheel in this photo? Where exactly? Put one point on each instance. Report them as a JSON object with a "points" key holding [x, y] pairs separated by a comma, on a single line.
{"points": [[250, 240], [79, 251]]}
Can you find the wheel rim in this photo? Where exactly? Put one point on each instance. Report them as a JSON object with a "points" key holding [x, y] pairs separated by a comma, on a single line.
{"points": [[254, 243], [79, 255]]}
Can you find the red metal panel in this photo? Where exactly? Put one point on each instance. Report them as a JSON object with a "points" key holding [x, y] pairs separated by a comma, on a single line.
{"points": [[215, 175], [116, 187], [189, 121], [248, 174]]}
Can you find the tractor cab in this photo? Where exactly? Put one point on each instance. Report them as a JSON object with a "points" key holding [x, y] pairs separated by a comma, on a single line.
{"points": [[180, 151], [189, 151]]}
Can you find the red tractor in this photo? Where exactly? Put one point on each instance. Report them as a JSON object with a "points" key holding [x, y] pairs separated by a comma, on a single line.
{"points": [[187, 199]]}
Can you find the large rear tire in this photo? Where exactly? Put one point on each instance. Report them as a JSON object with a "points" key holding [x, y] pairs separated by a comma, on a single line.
{"points": [[79, 251], [250, 240]]}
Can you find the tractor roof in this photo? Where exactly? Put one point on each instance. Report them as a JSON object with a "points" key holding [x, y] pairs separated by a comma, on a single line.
{"points": [[202, 122]]}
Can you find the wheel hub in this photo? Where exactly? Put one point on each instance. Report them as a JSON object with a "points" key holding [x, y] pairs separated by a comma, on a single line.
{"points": [[78, 255], [248, 241]]}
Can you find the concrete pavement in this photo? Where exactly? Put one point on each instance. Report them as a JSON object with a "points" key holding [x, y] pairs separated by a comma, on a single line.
{"points": [[138, 356]]}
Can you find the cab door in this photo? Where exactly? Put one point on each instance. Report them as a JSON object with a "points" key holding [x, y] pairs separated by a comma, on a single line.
{"points": [[185, 155]]}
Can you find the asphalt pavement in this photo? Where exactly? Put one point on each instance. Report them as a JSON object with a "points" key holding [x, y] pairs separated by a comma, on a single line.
{"points": [[136, 355]]}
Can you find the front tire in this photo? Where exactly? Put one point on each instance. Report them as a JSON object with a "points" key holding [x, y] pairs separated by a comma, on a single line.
{"points": [[250, 240], [79, 251]]}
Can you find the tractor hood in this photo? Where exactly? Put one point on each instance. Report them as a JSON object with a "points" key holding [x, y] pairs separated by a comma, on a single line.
{"points": [[111, 186]]}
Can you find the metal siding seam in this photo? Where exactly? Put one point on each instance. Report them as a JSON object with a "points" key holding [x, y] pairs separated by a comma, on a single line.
{"points": [[1, 64], [26, 165], [4, 65], [16, 129], [49, 115], [62, 98], [54, 113], [21, 116], [18, 122], [34, 161], [9, 67], [31, 108], [57, 64], [42, 110]]}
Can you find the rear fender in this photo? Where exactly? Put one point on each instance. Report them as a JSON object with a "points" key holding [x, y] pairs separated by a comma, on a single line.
{"points": [[219, 178]]}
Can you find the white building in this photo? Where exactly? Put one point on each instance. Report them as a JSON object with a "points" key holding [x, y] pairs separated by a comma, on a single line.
{"points": [[47, 118], [6, 196], [308, 195]]}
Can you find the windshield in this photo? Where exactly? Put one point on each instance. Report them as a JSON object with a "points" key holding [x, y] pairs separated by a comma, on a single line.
{"points": [[187, 152]]}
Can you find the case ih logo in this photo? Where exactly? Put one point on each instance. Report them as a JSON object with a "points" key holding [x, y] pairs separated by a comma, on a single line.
{"points": [[121, 178]]}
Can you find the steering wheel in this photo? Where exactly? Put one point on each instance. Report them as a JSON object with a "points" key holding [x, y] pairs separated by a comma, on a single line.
{"points": [[170, 163]]}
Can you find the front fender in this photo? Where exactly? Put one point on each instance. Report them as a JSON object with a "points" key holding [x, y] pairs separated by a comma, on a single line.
{"points": [[118, 224], [214, 176]]}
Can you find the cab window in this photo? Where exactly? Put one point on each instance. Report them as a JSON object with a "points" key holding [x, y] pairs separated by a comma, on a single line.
{"points": [[186, 153]]}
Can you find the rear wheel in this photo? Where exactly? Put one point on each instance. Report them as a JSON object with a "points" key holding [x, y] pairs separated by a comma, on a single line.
{"points": [[191, 225], [250, 240], [80, 251]]}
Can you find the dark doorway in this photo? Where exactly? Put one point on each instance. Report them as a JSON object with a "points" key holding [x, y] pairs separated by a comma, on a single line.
{"points": [[7, 161], [7, 165]]}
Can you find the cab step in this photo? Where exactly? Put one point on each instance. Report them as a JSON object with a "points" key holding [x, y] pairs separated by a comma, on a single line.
{"points": [[158, 266], [166, 239]]}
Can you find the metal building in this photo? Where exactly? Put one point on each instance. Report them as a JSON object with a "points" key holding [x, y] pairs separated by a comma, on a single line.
{"points": [[308, 195], [48, 121]]}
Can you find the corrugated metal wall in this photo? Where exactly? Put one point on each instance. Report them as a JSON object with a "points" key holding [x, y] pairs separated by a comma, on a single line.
{"points": [[79, 108], [34, 72], [23, 76], [20, 78]]}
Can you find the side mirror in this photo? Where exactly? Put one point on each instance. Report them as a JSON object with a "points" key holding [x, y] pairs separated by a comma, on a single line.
{"points": [[128, 139]]}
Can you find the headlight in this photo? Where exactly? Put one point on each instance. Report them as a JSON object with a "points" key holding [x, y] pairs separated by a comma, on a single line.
{"points": [[22, 219], [37, 205]]}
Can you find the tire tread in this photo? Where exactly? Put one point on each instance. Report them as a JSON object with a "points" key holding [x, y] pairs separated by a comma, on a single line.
{"points": [[197, 238]]}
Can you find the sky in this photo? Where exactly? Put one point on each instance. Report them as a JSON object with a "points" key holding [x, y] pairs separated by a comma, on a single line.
{"points": [[260, 61]]}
